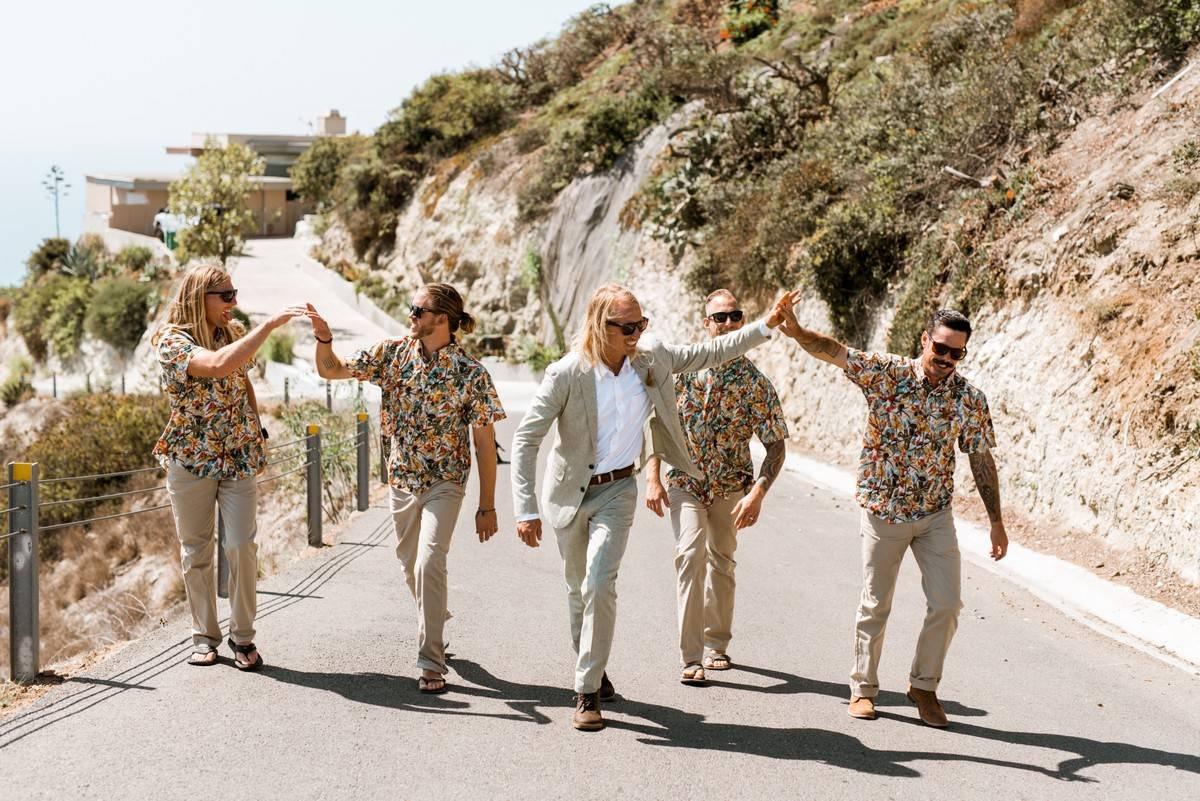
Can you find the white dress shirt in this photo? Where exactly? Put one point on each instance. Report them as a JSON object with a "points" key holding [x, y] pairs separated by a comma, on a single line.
{"points": [[622, 408]]}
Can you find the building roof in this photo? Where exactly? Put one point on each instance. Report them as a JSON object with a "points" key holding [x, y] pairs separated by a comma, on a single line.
{"points": [[265, 144], [163, 180]]}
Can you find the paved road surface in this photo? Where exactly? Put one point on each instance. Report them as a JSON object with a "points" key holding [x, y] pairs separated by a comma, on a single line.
{"points": [[1041, 708]]}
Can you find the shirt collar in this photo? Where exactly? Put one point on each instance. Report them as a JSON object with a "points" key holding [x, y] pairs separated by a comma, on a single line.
{"points": [[604, 374], [447, 352], [945, 386]]}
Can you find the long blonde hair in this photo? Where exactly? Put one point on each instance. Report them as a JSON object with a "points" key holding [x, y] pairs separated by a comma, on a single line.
{"points": [[591, 337], [186, 312]]}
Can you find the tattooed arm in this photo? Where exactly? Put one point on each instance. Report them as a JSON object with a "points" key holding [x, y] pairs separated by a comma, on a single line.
{"points": [[746, 512], [328, 363], [983, 467], [820, 346]]}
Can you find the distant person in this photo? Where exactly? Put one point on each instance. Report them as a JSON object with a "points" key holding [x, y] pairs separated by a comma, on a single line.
{"points": [[720, 408], [601, 395], [212, 448], [436, 401], [917, 410]]}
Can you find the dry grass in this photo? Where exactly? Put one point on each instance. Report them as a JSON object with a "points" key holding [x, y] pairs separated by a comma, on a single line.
{"points": [[1032, 15]]}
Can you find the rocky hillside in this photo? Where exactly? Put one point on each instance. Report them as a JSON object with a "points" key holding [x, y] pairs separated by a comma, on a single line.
{"points": [[1023, 162]]}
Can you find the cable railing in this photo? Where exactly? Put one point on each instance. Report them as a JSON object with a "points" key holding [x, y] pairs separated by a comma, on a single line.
{"points": [[24, 528]]}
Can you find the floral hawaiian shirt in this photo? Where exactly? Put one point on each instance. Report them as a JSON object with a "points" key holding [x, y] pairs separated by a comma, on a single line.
{"points": [[720, 409], [906, 470], [429, 407], [213, 431]]}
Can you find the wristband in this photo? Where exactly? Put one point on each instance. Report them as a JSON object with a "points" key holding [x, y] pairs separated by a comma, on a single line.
{"points": [[264, 433], [323, 341], [485, 511]]}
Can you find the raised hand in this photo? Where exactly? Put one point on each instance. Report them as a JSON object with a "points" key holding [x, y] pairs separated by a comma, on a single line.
{"points": [[790, 326], [782, 307], [320, 327], [283, 316]]}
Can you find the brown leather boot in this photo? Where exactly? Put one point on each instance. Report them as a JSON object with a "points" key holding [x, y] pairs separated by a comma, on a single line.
{"points": [[607, 691], [587, 712], [928, 707], [862, 708]]}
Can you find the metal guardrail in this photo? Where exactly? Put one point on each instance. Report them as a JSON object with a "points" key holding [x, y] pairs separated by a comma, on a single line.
{"points": [[23, 527]]}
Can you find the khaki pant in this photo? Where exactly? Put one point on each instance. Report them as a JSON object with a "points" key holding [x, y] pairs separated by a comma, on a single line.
{"points": [[424, 525], [935, 547], [705, 541], [192, 502], [591, 547]]}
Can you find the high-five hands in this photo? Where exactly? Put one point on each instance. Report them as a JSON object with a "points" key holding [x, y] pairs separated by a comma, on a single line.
{"points": [[319, 326], [782, 308]]}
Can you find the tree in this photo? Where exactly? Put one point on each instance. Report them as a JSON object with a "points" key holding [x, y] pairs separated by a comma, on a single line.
{"points": [[210, 200], [315, 173], [56, 186], [49, 256]]}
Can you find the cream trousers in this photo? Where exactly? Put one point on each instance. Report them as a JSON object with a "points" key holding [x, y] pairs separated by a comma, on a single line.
{"points": [[424, 525], [591, 548], [193, 501], [935, 547], [705, 541]]}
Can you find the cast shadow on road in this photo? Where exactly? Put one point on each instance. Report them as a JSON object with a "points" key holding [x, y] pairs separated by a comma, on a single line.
{"points": [[790, 684], [674, 728]]}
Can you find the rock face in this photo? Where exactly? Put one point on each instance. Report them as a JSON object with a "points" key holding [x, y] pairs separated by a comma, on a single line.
{"points": [[1091, 363]]}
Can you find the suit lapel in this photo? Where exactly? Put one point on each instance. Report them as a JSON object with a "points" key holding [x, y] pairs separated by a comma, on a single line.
{"points": [[586, 381]]}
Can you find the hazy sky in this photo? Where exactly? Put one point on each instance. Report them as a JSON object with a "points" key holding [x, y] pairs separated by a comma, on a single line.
{"points": [[100, 87]]}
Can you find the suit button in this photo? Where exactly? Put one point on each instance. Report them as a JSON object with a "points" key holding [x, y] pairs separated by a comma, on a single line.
{"points": [[583, 489], [591, 467]]}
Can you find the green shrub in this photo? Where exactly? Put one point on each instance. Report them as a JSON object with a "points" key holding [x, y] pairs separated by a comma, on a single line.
{"points": [[95, 434], [31, 313], [16, 387], [315, 173], [64, 327], [133, 259], [279, 347], [48, 256], [390, 298], [447, 113], [536, 355], [117, 312], [591, 145], [370, 195], [339, 463], [746, 19]]}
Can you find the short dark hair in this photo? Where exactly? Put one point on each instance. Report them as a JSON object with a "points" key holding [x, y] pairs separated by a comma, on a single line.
{"points": [[956, 321]]}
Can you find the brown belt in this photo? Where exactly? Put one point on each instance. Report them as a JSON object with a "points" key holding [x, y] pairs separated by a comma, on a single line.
{"points": [[615, 475]]}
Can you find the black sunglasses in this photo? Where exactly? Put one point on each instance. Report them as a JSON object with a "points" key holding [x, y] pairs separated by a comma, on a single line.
{"points": [[734, 316], [945, 350], [628, 329], [227, 295], [415, 311]]}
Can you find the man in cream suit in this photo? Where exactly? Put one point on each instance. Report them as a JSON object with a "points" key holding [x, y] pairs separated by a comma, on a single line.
{"points": [[605, 395]]}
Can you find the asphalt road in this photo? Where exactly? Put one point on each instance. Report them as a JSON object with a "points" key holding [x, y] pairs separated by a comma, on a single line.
{"points": [[1041, 708]]}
